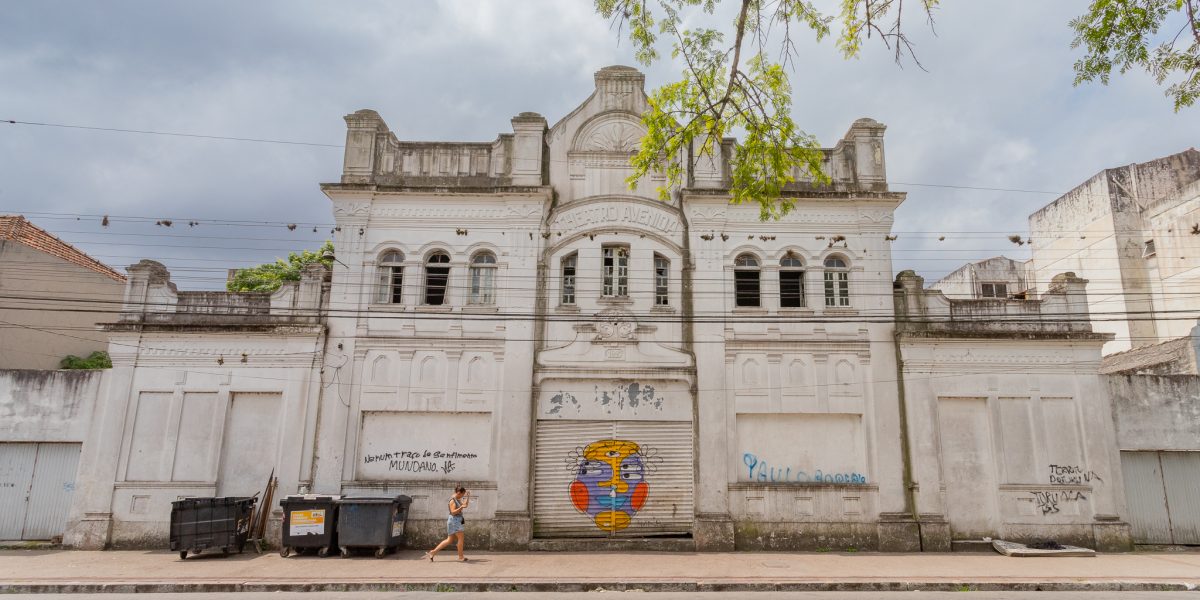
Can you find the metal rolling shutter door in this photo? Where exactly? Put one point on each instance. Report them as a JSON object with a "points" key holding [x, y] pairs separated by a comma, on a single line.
{"points": [[1145, 498], [52, 489], [16, 475], [668, 507], [1181, 472]]}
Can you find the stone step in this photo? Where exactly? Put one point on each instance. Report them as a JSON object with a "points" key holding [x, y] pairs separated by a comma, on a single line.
{"points": [[971, 546], [647, 544]]}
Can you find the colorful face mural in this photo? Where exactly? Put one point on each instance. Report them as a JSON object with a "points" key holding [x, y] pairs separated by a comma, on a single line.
{"points": [[610, 484]]}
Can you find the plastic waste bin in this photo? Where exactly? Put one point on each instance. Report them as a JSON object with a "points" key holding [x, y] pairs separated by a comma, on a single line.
{"points": [[309, 521], [372, 523], [201, 523]]}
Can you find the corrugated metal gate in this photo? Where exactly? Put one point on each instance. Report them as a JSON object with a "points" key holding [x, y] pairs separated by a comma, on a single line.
{"points": [[1163, 493], [613, 478], [37, 481]]}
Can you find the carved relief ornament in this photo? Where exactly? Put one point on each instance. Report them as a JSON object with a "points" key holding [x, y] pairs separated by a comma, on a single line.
{"points": [[352, 209], [615, 325]]}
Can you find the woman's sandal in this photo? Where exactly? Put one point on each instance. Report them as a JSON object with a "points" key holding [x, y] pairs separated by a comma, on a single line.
{"points": [[463, 559], [428, 555]]}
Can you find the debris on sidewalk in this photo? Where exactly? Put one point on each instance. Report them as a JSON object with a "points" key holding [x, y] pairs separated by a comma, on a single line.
{"points": [[1048, 548]]}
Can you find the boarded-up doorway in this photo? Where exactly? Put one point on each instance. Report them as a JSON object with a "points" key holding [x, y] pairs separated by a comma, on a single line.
{"points": [[968, 466], [250, 445]]}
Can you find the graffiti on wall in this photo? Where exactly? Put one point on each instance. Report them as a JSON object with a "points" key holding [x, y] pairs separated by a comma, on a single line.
{"points": [[610, 481], [763, 471], [420, 461], [632, 396], [1048, 501], [1072, 475]]}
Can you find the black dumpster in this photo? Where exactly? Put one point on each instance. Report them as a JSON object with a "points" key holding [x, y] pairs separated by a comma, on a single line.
{"points": [[308, 522], [372, 523], [201, 523]]}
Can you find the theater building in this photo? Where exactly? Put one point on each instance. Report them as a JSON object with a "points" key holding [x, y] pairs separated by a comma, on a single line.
{"points": [[604, 367]]}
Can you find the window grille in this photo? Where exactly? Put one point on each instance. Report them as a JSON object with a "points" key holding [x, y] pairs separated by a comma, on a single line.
{"points": [[791, 282], [483, 278], [746, 281], [568, 278], [391, 278], [437, 276], [616, 270], [837, 282], [662, 280]]}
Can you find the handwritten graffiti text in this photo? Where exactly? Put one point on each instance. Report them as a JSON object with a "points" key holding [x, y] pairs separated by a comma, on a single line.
{"points": [[761, 470], [1072, 474], [1048, 501], [420, 461]]}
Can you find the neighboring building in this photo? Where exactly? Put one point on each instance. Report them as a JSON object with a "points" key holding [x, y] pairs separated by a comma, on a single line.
{"points": [[1157, 420], [210, 393], [1134, 232], [1010, 426], [51, 297], [1180, 356], [997, 278], [46, 417], [597, 363]]}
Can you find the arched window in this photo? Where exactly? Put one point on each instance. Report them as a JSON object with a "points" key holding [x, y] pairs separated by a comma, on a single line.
{"points": [[791, 281], [746, 286], [437, 275], [483, 278], [568, 277], [662, 280], [837, 282], [391, 278], [616, 270]]}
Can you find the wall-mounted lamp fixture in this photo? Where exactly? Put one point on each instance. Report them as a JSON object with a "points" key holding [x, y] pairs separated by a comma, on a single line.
{"points": [[327, 255]]}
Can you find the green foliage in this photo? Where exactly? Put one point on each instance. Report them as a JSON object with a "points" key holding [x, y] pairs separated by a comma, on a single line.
{"points": [[722, 93], [96, 360], [269, 276], [1124, 35]]}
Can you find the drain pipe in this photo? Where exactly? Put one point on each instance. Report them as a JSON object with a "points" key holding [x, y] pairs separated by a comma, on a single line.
{"points": [[910, 493]]}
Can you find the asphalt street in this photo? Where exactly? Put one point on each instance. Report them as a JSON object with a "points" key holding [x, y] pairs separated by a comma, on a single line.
{"points": [[598, 595]]}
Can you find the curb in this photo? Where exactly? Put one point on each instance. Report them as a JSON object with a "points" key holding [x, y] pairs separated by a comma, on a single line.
{"points": [[593, 586]]}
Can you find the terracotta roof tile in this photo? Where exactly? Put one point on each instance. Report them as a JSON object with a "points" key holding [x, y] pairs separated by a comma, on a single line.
{"points": [[19, 229]]}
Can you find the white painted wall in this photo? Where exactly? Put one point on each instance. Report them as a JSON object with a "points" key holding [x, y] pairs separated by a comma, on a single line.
{"points": [[48, 406]]}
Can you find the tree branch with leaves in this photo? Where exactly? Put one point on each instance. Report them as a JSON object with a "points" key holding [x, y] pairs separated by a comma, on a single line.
{"points": [[735, 87], [1128, 34]]}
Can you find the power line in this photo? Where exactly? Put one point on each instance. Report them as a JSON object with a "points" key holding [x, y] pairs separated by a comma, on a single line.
{"points": [[755, 315], [170, 133], [398, 387], [322, 145], [181, 221]]}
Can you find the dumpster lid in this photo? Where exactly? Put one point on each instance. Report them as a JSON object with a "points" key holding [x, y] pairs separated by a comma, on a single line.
{"points": [[213, 499], [311, 497], [375, 499]]}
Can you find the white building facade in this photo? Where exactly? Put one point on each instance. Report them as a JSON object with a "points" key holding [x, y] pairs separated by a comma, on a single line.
{"points": [[598, 365], [1134, 233]]}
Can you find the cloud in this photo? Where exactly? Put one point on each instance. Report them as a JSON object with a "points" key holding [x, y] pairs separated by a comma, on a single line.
{"points": [[995, 108]]}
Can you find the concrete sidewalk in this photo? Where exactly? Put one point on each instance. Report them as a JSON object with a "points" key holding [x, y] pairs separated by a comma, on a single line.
{"points": [[63, 571]]}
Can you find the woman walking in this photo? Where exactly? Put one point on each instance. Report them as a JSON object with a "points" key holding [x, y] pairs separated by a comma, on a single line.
{"points": [[454, 523]]}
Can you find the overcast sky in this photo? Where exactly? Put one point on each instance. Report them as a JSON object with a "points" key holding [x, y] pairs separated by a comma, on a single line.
{"points": [[995, 108]]}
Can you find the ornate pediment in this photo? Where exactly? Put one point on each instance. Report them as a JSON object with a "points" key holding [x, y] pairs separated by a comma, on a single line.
{"points": [[615, 131], [613, 137]]}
